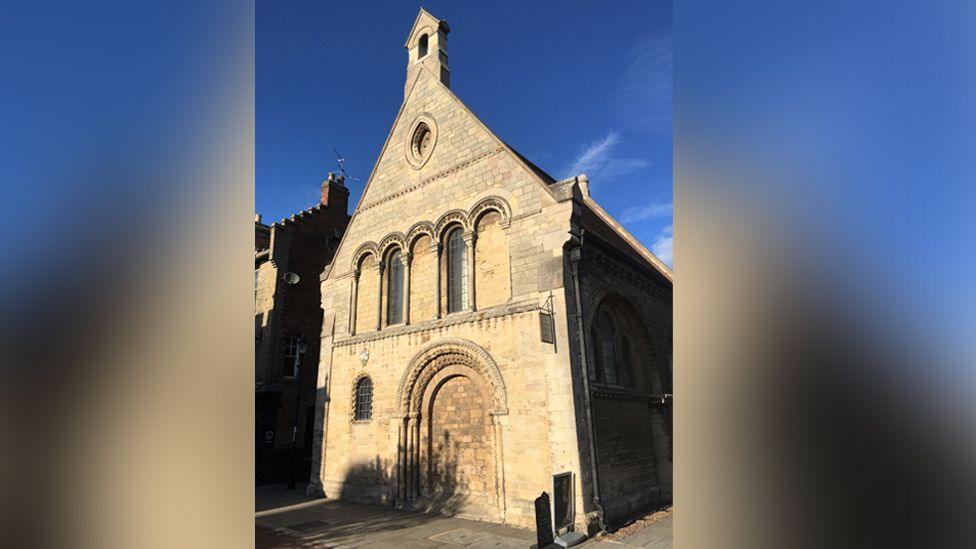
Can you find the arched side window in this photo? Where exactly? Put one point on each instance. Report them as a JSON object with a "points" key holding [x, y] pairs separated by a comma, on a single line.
{"points": [[394, 285], [364, 399], [596, 365], [607, 336], [422, 46], [625, 373], [457, 272]]}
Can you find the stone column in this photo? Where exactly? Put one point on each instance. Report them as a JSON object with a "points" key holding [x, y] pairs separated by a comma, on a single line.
{"points": [[469, 240], [379, 299], [407, 263], [401, 464], [435, 250], [353, 302], [415, 454], [498, 421], [412, 464]]}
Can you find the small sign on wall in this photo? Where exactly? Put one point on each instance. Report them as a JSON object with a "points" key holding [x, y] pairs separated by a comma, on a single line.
{"points": [[546, 328]]}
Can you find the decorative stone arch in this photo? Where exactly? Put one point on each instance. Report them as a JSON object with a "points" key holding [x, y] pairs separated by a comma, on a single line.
{"points": [[367, 248], [449, 219], [431, 367], [419, 229], [443, 353], [625, 315], [491, 203], [390, 241]]}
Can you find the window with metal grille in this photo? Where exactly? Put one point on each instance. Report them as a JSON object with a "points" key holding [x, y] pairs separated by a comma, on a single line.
{"points": [[457, 272], [364, 399], [394, 301], [293, 355]]}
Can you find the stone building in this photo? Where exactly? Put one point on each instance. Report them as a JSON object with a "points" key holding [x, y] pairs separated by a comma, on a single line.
{"points": [[289, 256], [489, 333]]}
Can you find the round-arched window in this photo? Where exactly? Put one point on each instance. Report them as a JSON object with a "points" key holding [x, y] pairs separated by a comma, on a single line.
{"points": [[422, 46], [364, 399]]}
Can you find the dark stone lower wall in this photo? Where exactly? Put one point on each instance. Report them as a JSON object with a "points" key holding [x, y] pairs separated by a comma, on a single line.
{"points": [[626, 463]]}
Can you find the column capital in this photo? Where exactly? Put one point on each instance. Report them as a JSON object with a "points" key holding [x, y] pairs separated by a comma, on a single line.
{"points": [[355, 274], [470, 237], [407, 258]]}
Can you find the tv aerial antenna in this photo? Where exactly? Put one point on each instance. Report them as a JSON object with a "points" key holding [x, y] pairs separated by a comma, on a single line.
{"points": [[342, 166]]}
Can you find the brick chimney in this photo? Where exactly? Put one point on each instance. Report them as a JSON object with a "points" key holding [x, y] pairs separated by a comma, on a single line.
{"points": [[335, 195]]}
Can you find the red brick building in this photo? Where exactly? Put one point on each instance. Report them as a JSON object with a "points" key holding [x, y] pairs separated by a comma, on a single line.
{"points": [[289, 257]]}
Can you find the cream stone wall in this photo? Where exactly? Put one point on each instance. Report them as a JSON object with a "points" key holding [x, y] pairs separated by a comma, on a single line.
{"points": [[361, 453]]}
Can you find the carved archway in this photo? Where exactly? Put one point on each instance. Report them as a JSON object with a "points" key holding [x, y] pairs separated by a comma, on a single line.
{"points": [[432, 368], [440, 354]]}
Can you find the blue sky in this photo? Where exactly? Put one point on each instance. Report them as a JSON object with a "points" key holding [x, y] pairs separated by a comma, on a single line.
{"points": [[574, 86]]}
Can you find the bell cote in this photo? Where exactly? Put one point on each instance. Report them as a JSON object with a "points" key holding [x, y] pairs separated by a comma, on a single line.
{"points": [[427, 47]]}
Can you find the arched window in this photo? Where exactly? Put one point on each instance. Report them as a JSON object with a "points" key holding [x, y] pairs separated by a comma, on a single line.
{"points": [[457, 272], [607, 335], [626, 368], [364, 399], [596, 367], [422, 46], [394, 284]]}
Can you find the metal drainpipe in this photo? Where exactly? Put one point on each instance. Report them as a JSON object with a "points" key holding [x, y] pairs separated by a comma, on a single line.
{"points": [[574, 259]]}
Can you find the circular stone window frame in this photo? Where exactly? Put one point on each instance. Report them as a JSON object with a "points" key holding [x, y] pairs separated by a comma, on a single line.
{"points": [[415, 160]]}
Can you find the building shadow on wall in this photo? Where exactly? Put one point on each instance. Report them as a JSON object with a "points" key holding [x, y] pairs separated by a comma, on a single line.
{"points": [[440, 486], [444, 490]]}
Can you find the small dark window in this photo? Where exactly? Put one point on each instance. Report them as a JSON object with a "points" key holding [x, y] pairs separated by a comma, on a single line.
{"points": [[422, 46], [457, 272], [294, 348], [364, 399], [394, 301]]}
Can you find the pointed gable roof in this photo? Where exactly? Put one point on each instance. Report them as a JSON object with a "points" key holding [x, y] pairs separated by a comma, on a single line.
{"points": [[424, 17]]}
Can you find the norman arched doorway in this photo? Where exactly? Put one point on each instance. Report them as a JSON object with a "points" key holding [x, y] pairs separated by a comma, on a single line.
{"points": [[450, 441]]}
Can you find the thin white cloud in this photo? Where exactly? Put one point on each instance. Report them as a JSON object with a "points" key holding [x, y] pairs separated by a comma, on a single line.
{"points": [[598, 162], [663, 245], [650, 211], [643, 100]]}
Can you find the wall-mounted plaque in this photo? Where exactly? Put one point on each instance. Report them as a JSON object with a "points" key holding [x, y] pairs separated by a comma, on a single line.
{"points": [[562, 499]]}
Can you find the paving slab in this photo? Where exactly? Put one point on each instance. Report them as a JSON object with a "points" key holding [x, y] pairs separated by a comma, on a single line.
{"points": [[335, 524]]}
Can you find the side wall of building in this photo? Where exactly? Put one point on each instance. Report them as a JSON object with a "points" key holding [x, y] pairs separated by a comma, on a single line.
{"points": [[632, 426]]}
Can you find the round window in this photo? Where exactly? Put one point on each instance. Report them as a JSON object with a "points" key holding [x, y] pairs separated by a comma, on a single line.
{"points": [[421, 142]]}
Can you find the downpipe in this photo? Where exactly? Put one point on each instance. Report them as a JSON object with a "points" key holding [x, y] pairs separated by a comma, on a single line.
{"points": [[574, 259]]}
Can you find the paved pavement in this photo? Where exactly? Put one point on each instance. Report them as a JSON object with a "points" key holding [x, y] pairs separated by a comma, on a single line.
{"points": [[287, 519], [656, 535], [291, 520]]}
